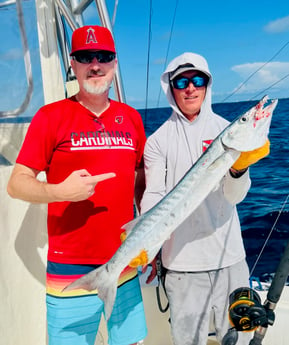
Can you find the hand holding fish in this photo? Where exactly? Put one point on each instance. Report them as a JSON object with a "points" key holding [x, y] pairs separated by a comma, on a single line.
{"points": [[251, 157], [80, 184], [141, 259]]}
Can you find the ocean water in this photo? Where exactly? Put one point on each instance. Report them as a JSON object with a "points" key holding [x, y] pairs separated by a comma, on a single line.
{"points": [[264, 213]]}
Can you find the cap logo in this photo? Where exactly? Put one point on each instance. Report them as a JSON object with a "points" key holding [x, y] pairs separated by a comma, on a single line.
{"points": [[90, 36]]}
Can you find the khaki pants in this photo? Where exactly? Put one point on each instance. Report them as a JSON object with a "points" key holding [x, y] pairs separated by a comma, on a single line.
{"points": [[194, 295]]}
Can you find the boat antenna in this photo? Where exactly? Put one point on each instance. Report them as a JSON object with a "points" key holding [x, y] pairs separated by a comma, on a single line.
{"points": [[251, 75]]}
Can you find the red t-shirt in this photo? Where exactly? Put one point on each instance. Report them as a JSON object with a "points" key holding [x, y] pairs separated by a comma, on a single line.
{"points": [[63, 137]]}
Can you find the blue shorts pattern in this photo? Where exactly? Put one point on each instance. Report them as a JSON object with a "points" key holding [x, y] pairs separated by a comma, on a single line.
{"points": [[75, 320]]}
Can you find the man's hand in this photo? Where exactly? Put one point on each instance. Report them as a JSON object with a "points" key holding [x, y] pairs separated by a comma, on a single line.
{"points": [[140, 260], [251, 157], [79, 185]]}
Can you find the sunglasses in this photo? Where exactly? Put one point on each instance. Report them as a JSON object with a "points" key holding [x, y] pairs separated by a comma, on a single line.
{"points": [[102, 56], [181, 83]]}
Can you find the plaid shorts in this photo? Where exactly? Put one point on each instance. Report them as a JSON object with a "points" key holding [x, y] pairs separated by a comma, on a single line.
{"points": [[75, 319]]}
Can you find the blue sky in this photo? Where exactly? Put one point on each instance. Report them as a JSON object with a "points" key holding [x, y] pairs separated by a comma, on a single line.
{"points": [[238, 38]]}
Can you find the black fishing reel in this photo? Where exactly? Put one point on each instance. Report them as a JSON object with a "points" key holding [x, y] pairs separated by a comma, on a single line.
{"points": [[246, 312]]}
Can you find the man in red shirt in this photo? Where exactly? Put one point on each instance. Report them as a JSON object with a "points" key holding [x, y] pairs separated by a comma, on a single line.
{"points": [[90, 147]]}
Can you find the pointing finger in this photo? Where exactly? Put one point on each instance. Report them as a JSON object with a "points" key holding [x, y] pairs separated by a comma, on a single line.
{"points": [[97, 178]]}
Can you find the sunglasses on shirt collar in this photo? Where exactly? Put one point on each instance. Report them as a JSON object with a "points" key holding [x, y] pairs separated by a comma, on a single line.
{"points": [[181, 82], [86, 57]]}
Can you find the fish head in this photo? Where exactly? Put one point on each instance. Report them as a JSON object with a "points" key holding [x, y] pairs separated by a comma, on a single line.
{"points": [[250, 130]]}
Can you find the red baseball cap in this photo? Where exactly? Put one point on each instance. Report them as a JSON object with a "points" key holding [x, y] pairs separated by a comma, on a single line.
{"points": [[92, 37]]}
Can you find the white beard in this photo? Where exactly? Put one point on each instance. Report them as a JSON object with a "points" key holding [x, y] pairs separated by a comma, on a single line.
{"points": [[96, 89]]}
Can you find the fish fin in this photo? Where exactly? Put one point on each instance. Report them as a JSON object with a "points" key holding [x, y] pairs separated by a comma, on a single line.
{"points": [[130, 225], [152, 253], [103, 281]]}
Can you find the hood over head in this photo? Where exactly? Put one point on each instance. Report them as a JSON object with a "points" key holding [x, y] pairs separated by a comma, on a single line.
{"points": [[182, 63]]}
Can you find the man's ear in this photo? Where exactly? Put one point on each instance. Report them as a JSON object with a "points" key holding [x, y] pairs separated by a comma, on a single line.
{"points": [[72, 64]]}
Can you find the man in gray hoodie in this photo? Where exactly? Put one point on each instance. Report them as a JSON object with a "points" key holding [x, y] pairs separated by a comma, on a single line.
{"points": [[205, 256]]}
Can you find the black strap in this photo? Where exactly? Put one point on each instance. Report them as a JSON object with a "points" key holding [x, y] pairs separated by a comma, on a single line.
{"points": [[161, 275]]}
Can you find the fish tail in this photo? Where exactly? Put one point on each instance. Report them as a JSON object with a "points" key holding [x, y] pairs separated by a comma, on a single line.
{"points": [[101, 280]]}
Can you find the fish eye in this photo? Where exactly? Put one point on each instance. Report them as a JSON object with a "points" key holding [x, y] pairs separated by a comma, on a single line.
{"points": [[243, 119]]}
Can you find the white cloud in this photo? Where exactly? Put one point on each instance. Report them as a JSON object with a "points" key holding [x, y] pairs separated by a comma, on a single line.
{"points": [[278, 25], [259, 76]]}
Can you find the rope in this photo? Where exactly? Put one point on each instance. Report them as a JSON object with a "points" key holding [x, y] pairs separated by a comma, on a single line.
{"points": [[251, 75], [148, 63], [148, 58], [269, 87], [169, 45]]}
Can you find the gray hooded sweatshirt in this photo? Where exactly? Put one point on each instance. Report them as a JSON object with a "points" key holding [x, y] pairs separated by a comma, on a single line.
{"points": [[210, 238]]}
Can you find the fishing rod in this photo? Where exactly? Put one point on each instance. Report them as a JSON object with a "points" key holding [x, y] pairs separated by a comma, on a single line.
{"points": [[246, 312], [273, 296]]}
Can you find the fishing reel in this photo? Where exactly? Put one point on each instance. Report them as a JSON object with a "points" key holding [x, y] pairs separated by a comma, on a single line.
{"points": [[246, 312]]}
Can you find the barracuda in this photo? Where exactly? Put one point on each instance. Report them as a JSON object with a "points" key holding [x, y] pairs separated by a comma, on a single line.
{"points": [[149, 231]]}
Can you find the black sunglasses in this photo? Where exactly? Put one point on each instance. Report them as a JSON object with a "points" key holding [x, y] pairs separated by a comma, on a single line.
{"points": [[85, 56], [181, 83]]}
